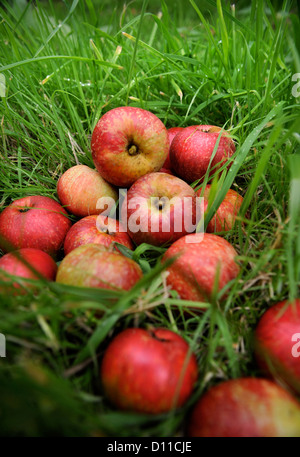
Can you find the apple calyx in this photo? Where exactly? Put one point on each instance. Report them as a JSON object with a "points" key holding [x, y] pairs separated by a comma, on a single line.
{"points": [[106, 231], [133, 149], [161, 203]]}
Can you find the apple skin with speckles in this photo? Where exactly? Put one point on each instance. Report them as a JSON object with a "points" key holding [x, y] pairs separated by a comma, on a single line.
{"points": [[95, 265], [198, 264], [148, 371], [98, 230], [127, 143], [26, 263], [225, 216], [80, 187], [191, 151], [158, 220], [34, 222], [277, 343], [245, 407]]}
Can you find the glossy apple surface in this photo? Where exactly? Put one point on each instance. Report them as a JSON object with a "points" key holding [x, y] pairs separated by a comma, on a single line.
{"points": [[148, 371], [95, 265], [277, 343], [199, 265], [192, 149], [96, 229], [80, 188], [245, 407], [128, 143], [27, 263], [34, 222], [160, 209], [225, 216]]}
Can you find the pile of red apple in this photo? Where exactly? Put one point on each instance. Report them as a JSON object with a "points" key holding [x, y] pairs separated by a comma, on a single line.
{"points": [[156, 176]]}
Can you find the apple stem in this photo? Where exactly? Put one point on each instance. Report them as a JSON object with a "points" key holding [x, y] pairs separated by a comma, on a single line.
{"points": [[153, 334], [133, 150]]}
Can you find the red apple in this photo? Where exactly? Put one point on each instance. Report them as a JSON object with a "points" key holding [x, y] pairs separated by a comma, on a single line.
{"points": [[172, 132], [128, 143], [245, 407], [34, 222], [27, 263], [148, 371], [225, 216], [80, 188], [95, 265], [277, 343], [96, 229], [160, 209], [191, 151], [199, 265]]}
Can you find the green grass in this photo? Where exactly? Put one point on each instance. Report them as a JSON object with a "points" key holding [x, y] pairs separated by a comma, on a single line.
{"points": [[65, 65]]}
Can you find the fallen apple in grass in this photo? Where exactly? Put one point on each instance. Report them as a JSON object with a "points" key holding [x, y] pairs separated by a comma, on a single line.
{"points": [[226, 214], [200, 267], [34, 222], [96, 229], [277, 343], [128, 143], [80, 188], [95, 265], [159, 209], [26, 263], [192, 149], [148, 371], [245, 407]]}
